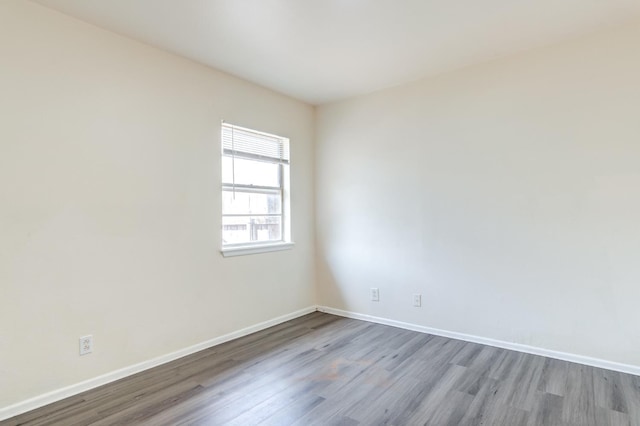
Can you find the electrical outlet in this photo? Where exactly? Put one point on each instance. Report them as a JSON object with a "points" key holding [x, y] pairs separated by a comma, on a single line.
{"points": [[86, 345], [417, 300], [375, 295]]}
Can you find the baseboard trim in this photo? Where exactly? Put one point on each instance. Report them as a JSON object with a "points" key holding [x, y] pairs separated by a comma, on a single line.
{"points": [[564, 356], [59, 394]]}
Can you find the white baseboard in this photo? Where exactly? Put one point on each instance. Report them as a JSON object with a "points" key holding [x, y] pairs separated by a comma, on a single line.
{"points": [[59, 394], [564, 356]]}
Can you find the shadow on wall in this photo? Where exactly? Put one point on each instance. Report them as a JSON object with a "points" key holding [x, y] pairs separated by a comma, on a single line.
{"points": [[328, 291]]}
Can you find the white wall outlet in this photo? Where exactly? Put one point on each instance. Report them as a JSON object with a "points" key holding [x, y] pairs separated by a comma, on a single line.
{"points": [[375, 295], [86, 345], [417, 300]]}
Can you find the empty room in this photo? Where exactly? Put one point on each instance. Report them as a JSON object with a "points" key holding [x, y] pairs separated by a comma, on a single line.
{"points": [[331, 212]]}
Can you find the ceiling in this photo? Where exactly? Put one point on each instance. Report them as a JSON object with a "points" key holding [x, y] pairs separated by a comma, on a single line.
{"points": [[321, 51]]}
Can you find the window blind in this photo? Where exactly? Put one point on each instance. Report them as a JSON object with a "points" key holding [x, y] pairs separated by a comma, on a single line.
{"points": [[238, 141]]}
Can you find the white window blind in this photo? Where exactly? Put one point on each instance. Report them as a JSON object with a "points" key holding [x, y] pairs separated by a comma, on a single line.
{"points": [[252, 144]]}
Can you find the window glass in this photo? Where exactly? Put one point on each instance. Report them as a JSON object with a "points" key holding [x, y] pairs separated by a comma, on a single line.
{"points": [[240, 229], [250, 172], [250, 203]]}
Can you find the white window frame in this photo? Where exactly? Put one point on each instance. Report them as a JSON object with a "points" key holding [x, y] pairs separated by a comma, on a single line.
{"points": [[283, 189]]}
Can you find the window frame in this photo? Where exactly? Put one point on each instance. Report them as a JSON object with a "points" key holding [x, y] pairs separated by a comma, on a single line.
{"points": [[283, 190]]}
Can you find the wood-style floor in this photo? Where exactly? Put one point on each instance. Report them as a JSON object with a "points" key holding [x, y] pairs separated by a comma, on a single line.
{"points": [[326, 370]]}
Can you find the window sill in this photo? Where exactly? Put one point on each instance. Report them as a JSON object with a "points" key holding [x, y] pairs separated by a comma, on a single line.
{"points": [[255, 249]]}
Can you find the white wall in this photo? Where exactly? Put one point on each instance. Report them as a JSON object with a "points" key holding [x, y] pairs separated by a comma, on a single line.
{"points": [[110, 203], [507, 194]]}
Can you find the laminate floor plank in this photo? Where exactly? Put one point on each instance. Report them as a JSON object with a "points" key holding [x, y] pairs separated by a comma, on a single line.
{"points": [[483, 402], [398, 398], [608, 390], [467, 354], [580, 404], [442, 404], [631, 392], [554, 377], [321, 369], [547, 410], [486, 359]]}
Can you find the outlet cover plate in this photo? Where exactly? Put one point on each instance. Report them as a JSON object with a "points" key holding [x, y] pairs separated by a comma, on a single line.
{"points": [[417, 300], [375, 295], [86, 345]]}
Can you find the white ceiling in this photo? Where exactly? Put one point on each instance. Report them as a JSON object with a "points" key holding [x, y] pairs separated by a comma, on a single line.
{"points": [[325, 50]]}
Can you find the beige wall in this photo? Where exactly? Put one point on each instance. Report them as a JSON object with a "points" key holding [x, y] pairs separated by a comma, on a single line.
{"points": [[507, 194], [110, 203]]}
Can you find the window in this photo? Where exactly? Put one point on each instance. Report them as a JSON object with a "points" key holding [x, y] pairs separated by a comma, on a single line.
{"points": [[255, 191]]}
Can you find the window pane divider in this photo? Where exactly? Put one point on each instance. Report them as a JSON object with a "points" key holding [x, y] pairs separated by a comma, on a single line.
{"points": [[251, 215], [251, 188], [257, 157]]}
